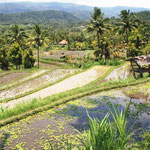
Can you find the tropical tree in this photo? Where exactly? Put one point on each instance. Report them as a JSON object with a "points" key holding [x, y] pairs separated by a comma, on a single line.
{"points": [[17, 35], [4, 59], [104, 49], [127, 22], [28, 59], [97, 24], [15, 55], [39, 39]]}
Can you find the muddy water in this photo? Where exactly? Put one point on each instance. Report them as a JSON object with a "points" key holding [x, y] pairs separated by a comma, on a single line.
{"points": [[58, 124]]}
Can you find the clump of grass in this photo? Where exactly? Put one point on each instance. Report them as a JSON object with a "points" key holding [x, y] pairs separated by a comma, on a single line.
{"points": [[106, 135], [111, 62], [101, 134], [90, 63]]}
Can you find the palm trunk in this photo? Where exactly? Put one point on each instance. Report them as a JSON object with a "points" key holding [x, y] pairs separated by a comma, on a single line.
{"points": [[127, 36], [98, 40], [38, 57]]}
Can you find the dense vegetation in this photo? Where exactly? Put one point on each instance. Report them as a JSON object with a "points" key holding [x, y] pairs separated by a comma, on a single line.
{"points": [[119, 38]]}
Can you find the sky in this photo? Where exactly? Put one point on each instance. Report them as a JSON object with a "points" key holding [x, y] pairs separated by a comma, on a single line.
{"points": [[98, 3]]}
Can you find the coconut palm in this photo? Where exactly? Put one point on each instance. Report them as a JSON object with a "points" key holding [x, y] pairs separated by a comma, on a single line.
{"points": [[17, 35], [39, 39], [127, 22], [97, 24]]}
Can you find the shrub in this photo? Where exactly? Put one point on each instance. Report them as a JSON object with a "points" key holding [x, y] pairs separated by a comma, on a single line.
{"points": [[4, 59], [28, 59], [15, 55]]}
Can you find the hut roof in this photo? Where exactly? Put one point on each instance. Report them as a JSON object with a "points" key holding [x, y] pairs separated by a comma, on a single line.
{"points": [[63, 42], [142, 60]]}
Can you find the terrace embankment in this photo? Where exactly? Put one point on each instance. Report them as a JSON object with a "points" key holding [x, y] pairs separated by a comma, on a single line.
{"points": [[70, 83]]}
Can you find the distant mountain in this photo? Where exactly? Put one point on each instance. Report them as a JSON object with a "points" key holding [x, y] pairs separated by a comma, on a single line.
{"points": [[115, 11], [38, 17], [80, 11]]}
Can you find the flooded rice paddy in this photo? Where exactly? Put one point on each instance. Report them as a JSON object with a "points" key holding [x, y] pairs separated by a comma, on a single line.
{"points": [[36, 83], [62, 122]]}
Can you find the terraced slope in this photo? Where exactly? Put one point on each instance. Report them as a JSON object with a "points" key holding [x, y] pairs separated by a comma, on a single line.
{"points": [[47, 78], [73, 82]]}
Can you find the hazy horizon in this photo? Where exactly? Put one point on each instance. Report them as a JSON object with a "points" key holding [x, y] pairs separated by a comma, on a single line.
{"points": [[98, 3]]}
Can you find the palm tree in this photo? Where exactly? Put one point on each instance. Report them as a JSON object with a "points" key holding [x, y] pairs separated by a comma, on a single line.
{"points": [[17, 35], [39, 39], [127, 22], [97, 24]]}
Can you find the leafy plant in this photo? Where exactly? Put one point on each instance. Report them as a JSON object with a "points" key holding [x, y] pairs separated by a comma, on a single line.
{"points": [[106, 135]]}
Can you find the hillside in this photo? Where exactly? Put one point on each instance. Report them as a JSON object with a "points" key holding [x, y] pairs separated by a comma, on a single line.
{"points": [[35, 17], [80, 11], [144, 15]]}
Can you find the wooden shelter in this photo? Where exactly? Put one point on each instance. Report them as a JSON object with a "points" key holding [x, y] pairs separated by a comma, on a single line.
{"points": [[139, 65]]}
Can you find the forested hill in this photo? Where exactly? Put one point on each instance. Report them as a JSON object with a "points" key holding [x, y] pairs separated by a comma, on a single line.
{"points": [[144, 15], [80, 11], [38, 17]]}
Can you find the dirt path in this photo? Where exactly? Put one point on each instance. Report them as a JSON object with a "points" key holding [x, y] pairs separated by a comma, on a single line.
{"points": [[76, 81]]}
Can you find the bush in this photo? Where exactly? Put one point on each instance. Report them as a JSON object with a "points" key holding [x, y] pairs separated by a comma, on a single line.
{"points": [[4, 59], [28, 59], [112, 62], [15, 54]]}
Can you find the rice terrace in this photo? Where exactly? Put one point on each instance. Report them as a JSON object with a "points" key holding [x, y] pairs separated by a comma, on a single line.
{"points": [[74, 76]]}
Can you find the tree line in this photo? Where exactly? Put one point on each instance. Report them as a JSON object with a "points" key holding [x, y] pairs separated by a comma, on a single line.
{"points": [[16, 47], [106, 36]]}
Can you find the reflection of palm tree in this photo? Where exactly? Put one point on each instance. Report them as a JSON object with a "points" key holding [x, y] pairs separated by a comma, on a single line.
{"points": [[39, 39], [17, 35], [127, 22], [97, 23]]}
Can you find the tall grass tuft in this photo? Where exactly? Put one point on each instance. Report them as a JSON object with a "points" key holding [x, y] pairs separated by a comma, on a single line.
{"points": [[101, 134], [106, 135], [124, 134]]}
